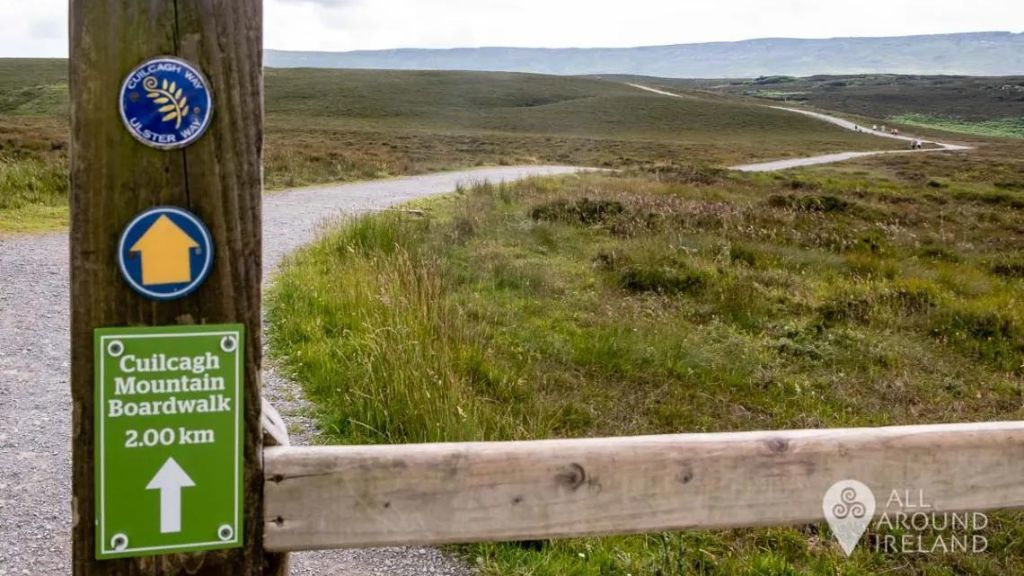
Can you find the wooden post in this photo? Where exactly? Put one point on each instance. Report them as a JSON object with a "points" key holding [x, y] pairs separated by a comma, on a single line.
{"points": [[114, 178]]}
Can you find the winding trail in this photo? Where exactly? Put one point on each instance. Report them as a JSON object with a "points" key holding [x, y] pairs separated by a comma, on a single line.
{"points": [[827, 158], [35, 396]]}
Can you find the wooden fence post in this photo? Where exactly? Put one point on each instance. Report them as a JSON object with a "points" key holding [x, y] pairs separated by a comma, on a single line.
{"points": [[114, 178]]}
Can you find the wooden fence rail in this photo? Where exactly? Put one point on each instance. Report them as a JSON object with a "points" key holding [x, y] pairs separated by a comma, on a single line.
{"points": [[346, 497]]}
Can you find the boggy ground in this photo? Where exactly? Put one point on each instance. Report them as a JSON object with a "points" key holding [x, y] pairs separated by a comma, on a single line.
{"points": [[677, 299]]}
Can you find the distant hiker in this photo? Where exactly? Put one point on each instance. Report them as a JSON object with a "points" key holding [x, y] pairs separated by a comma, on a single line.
{"points": [[883, 128], [875, 127]]}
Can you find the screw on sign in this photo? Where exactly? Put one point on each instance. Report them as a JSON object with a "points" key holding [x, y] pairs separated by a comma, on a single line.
{"points": [[169, 439]]}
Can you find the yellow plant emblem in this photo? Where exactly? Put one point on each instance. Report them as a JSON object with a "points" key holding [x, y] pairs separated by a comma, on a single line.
{"points": [[167, 95]]}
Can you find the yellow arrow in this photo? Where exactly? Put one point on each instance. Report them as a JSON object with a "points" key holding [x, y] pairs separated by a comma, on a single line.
{"points": [[166, 254]]}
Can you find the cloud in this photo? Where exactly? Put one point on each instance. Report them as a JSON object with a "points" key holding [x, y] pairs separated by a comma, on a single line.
{"points": [[45, 33], [376, 24], [334, 3], [346, 25], [48, 29]]}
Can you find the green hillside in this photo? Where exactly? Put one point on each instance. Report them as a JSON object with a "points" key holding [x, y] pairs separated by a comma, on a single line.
{"points": [[473, 102], [33, 87], [338, 125], [458, 118], [982, 106]]}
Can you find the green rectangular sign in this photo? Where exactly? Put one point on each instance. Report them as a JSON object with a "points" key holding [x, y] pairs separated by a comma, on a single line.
{"points": [[169, 439]]}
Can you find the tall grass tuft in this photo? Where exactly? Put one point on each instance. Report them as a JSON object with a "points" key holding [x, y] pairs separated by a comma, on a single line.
{"points": [[27, 182], [379, 347]]}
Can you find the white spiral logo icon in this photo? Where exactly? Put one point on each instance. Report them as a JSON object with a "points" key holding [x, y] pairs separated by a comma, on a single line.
{"points": [[849, 507]]}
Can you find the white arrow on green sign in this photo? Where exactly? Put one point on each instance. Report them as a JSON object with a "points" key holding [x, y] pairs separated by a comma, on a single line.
{"points": [[169, 439], [169, 481]]}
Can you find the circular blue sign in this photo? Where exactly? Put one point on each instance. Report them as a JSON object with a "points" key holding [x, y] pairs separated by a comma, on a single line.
{"points": [[165, 253], [166, 103]]}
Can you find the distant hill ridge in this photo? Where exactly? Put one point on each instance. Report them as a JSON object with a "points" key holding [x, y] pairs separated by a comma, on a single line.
{"points": [[975, 54]]}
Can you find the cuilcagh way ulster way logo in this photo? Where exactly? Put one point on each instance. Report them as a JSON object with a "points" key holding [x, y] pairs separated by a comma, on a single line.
{"points": [[165, 253], [166, 103]]}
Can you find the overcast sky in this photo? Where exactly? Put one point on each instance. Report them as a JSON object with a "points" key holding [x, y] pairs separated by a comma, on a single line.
{"points": [[39, 28]]}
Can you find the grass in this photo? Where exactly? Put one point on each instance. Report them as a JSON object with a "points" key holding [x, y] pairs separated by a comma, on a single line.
{"points": [[1001, 128], [33, 87], [379, 123], [968, 98], [33, 175], [977, 106], [336, 126], [882, 292]]}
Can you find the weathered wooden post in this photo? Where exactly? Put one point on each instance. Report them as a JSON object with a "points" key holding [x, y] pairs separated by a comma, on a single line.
{"points": [[198, 150]]}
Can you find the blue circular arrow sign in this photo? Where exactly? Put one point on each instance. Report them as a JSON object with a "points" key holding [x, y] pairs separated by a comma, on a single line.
{"points": [[166, 103], [165, 253]]}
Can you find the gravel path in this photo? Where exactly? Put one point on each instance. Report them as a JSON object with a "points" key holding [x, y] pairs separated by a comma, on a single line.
{"points": [[35, 399], [777, 165]]}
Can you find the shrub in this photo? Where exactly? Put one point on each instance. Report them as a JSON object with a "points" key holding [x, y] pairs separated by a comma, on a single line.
{"points": [[849, 308], [1010, 200], [662, 279], [939, 254], [1012, 269], [742, 255], [797, 184], [686, 174], [913, 296], [824, 203], [982, 329], [586, 211], [607, 261], [982, 324]]}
